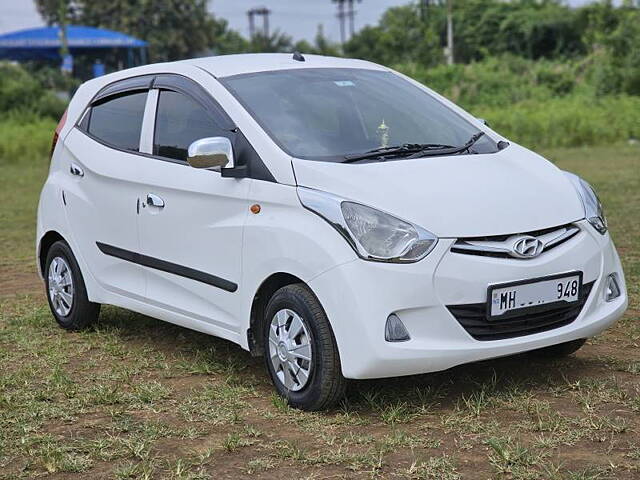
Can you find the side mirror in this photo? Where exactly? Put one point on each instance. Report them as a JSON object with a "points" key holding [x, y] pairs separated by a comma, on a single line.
{"points": [[211, 153], [482, 120]]}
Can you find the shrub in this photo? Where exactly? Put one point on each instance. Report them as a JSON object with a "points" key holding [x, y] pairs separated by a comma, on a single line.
{"points": [[540, 103], [497, 81], [566, 122], [25, 138], [22, 91]]}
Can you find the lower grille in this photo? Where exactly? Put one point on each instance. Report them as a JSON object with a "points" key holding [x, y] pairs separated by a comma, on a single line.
{"points": [[473, 318]]}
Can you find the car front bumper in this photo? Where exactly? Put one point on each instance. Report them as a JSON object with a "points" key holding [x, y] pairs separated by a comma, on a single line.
{"points": [[358, 296]]}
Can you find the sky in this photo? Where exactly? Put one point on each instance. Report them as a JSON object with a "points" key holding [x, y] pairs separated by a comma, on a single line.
{"points": [[298, 18]]}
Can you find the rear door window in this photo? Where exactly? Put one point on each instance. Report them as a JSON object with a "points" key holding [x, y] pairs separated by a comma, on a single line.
{"points": [[117, 121]]}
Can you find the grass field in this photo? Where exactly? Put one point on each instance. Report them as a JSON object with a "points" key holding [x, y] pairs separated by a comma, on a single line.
{"points": [[137, 398]]}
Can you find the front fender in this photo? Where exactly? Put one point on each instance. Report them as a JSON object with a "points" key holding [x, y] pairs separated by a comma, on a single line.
{"points": [[285, 238]]}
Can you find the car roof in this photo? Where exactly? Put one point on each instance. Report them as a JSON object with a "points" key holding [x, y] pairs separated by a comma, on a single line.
{"points": [[227, 65]]}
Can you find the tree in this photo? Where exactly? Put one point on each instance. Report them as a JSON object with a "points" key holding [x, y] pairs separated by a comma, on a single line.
{"points": [[276, 42], [418, 32], [401, 36], [175, 29], [321, 46], [614, 36]]}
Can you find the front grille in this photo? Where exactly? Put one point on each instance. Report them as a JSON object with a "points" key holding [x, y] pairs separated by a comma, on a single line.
{"points": [[501, 246], [473, 318]]}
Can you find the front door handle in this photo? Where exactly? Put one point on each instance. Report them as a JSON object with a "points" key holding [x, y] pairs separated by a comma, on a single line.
{"points": [[76, 170], [154, 200]]}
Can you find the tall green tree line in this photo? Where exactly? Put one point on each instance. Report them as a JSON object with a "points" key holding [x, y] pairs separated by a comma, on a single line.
{"points": [[529, 28], [607, 36]]}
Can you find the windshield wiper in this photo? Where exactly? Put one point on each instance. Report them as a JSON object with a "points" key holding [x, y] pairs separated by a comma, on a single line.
{"points": [[448, 151], [414, 150], [407, 148]]}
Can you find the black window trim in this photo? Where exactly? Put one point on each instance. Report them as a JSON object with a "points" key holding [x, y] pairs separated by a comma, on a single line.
{"points": [[140, 82], [88, 112], [180, 84]]}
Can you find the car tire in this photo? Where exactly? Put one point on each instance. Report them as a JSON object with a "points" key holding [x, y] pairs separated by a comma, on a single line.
{"points": [[560, 350], [66, 291], [295, 323]]}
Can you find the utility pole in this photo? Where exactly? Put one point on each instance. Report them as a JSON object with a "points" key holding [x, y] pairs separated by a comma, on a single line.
{"points": [[264, 13], [265, 21], [351, 13], [252, 25], [449, 49], [341, 17]]}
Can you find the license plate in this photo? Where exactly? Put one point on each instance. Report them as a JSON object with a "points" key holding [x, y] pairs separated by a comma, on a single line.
{"points": [[510, 299]]}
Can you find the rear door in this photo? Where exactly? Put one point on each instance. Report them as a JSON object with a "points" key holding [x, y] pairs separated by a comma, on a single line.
{"points": [[101, 189], [191, 221]]}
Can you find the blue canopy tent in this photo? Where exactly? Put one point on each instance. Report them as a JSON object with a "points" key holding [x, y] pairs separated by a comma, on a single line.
{"points": [[44, 44]]}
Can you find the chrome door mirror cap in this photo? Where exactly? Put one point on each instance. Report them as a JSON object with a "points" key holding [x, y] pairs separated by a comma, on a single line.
{"points": [[211, 153]]}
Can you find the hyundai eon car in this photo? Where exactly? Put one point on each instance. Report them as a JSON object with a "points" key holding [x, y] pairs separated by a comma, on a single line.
{"points": [[331, 215]]}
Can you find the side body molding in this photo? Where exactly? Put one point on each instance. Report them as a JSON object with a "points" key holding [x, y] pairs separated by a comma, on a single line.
{"points": [[168, 267]]}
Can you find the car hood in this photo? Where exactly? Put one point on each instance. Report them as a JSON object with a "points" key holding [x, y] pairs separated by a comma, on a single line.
{"points": [[511, 191]]}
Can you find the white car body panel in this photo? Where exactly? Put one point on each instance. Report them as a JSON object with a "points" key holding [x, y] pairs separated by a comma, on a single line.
{"points": [[227, 65], [95, 213], [455, 196], [206, 225], [200, 227], [359, 295]]}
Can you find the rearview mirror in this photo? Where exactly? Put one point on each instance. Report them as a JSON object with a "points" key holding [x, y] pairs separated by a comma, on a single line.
{"points": [[211, 153]]}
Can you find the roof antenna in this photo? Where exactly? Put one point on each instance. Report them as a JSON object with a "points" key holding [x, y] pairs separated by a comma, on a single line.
{"points": [[297, 56]]}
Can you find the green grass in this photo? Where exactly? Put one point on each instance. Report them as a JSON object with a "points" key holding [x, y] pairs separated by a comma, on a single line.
{"points": [[135, 398], [24, 166]]}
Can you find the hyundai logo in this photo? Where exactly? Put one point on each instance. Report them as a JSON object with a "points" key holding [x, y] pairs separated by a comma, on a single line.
{"points": [[526, 247]]}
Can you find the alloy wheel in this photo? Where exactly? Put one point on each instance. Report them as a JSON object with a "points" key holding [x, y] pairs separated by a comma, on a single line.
{"points": [[60, 286]]}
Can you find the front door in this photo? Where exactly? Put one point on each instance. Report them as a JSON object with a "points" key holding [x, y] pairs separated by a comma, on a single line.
{"points": [[191, 220]]}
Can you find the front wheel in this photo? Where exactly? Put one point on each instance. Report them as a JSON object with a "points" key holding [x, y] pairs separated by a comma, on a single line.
{"points": [[66, 292], [300, 350]]}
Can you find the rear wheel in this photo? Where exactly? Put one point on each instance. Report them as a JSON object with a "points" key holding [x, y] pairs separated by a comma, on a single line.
{"points": [[300, 350], [560, 350], [66, 292]]}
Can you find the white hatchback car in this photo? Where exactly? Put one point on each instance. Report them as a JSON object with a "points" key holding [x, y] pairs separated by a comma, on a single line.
{"points": [[330, 214]]}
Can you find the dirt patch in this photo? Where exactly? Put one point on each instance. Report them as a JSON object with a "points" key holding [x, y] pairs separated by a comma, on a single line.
{"points": [[18, 280]]}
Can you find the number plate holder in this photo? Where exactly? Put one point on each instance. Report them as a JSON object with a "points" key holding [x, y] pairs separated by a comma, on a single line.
{"points": [[536, 307]]}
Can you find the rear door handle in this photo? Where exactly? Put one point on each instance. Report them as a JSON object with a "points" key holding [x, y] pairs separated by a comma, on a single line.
{"points": [[154, 200], [76, 170]]}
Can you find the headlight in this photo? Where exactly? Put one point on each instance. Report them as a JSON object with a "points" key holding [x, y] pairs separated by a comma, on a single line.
{"points": [[593, 210], [373, 234]]}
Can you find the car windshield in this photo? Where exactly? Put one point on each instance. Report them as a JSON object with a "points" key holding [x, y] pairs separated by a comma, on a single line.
{"points": [[325, 114]]}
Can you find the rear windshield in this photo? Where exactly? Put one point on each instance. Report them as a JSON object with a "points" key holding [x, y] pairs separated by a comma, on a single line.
{"points": [[325, 114]]}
